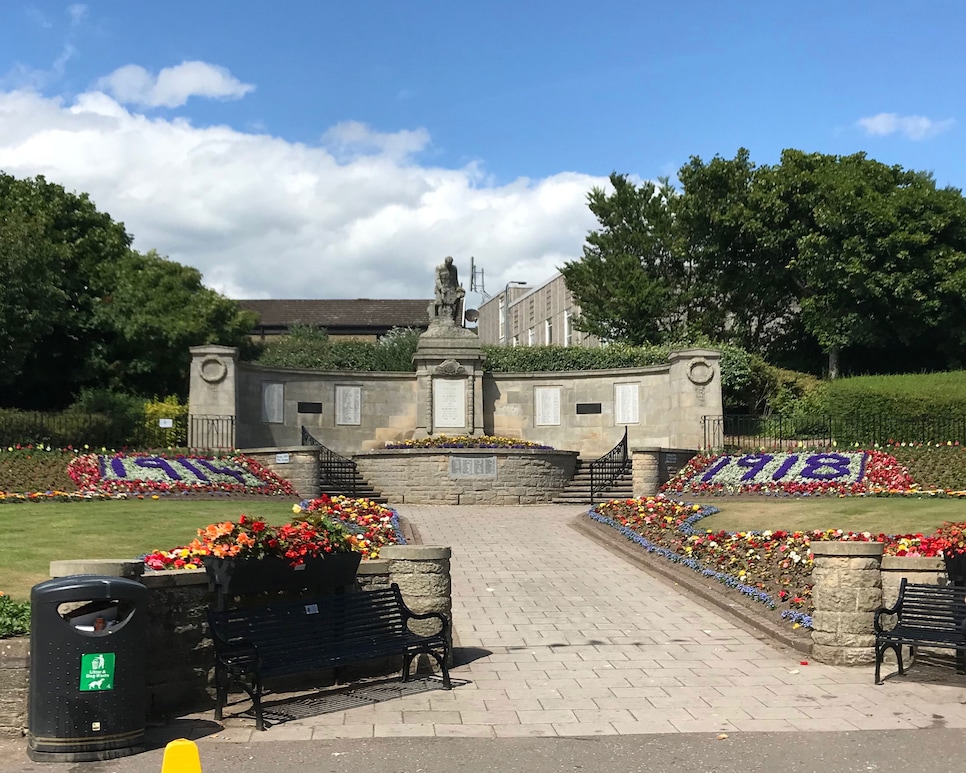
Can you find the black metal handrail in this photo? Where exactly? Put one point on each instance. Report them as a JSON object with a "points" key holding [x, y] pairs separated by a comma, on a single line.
{"points": [[336, 472], [752, 432], [608, 469]]}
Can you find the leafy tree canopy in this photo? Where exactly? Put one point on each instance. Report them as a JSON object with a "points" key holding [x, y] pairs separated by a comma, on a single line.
{"points": [[80, 308]]}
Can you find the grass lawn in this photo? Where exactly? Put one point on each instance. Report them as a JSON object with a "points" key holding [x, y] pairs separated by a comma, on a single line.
{"points": [[34, 534], [885, 515]]}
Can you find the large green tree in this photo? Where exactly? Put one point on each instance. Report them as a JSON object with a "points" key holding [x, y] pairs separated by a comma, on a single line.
{"points": [[79, 308], [839, 252], [632, 282]]}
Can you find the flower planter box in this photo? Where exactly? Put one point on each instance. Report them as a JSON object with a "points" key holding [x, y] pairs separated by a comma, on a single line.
{"points": [[956, 569], [229, 577]]}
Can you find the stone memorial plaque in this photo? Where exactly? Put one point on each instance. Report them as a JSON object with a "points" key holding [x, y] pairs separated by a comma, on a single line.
{"points": [[627, 403], [449, 403], [283, 458], [472, 466], [273, 403], [348, 405], [547, 401]]}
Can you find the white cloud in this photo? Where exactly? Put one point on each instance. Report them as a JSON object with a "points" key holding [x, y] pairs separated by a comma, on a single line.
{"points": [[173, 86], [77, 13], [264, 217], [913, 127]]}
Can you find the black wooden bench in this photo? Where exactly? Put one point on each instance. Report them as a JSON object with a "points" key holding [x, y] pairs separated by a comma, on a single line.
{"points": [[926, 616], [293, 637]]}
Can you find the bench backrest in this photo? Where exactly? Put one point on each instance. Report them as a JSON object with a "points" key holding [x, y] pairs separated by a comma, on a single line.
{"points": [[938, 607], [329, 627]]}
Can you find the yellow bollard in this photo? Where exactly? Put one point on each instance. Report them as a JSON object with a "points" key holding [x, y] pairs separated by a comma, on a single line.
{"points": [[181, 756]]}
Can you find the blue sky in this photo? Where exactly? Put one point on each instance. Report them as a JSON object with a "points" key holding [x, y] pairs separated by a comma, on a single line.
{"points": [[321, 149]]}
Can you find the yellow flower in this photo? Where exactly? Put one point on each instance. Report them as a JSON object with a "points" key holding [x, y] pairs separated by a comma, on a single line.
{"points": [[296, 509]]}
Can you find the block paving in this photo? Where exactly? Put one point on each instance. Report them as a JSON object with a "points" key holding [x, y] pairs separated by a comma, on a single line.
{"points": [[557, 636]]}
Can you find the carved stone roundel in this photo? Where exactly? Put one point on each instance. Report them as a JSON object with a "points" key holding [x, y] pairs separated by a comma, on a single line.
{"points": [[450, 368], [213, 370], [700, 372]]}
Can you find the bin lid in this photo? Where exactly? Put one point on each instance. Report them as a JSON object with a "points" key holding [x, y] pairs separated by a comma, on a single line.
{"points": [[82, 587]]}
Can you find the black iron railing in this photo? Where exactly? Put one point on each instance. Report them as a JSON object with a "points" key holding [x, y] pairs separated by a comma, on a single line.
{"points": [[211, 432], [753, 432], [608, 469], [336, 473]]}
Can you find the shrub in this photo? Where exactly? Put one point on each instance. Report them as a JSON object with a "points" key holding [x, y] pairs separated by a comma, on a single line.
{"points": [[156, 436], [14, 617]]}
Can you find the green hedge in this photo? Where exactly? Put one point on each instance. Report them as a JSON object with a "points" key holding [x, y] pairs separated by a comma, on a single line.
{"points": [[906, 397]]}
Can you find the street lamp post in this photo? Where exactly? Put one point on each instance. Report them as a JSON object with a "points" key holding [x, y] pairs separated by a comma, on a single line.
{"points": [[506, 309]]}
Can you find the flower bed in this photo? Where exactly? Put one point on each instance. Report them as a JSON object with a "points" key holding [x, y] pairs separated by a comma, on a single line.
{"points": [[321, 526], [859, 473], [466, 441], [140, 473], [772, 567]]}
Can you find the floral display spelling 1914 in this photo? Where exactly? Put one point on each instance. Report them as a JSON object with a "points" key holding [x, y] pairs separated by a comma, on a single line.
{"points": [[139, 473]]}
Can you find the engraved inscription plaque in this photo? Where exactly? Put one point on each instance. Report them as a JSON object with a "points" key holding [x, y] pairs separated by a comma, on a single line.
{"points": [[472, 466], [627, 403], [449, 403], [273, 403], [547, 401], [348, 405]]}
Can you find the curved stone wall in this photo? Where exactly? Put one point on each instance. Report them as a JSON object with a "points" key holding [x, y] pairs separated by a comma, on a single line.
{"points": [[467, 476]]}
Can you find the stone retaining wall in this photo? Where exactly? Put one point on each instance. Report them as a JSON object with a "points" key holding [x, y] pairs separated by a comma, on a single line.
{"points": [[503, 476], [179, 653]]}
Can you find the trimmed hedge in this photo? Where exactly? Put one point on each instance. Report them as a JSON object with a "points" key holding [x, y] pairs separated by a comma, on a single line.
{"points": [[905, 397]]}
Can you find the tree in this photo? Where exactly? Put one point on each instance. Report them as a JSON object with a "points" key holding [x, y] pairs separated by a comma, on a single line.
{"points": [[154, 311], [738, 254], [841, 252], [632, 282], [79, 308]]}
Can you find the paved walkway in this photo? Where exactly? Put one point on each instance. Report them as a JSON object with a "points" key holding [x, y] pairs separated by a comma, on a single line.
{"points": [[571, 640]]}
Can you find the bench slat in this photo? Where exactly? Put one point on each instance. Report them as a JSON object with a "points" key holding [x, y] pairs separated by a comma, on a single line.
{"points": [[924, 615]]}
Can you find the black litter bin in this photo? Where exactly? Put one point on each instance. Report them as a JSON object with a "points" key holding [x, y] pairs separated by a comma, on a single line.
{"points": [[87, 684]]}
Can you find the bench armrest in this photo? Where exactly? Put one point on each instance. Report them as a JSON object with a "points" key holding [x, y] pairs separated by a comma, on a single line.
{"points": [[444, 623], [894, 610]]}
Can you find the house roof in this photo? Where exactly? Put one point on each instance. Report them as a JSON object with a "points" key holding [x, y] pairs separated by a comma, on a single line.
{"points": [[361, 313]]}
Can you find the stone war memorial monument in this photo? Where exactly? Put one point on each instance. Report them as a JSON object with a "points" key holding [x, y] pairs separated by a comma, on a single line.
{"points": [[449, 365], [357, 414]]}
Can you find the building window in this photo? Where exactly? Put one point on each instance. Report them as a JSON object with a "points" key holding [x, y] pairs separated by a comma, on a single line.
{"points": [[568, 329], [531, 337], [501, 313], [516, 340], [548, 332]]}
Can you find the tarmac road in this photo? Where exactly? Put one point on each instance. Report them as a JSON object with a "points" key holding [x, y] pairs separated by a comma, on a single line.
{"points": [[935, 751]]}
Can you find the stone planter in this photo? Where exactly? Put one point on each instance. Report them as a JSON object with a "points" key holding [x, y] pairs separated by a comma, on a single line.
{"points": [[230, 577]]}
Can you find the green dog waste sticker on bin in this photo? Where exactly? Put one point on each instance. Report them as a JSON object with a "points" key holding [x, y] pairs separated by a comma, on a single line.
{"points": [[97, 671]]}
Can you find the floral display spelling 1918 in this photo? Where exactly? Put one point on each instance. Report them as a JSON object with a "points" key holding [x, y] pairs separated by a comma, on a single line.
{"points": [[794, 474], [320, 526]]}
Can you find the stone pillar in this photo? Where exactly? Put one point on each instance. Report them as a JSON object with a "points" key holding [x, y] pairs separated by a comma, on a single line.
{"points": [[644, 476], [212, 396], [423, 575], [373, 574], [694, 384], [846, 592]]}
